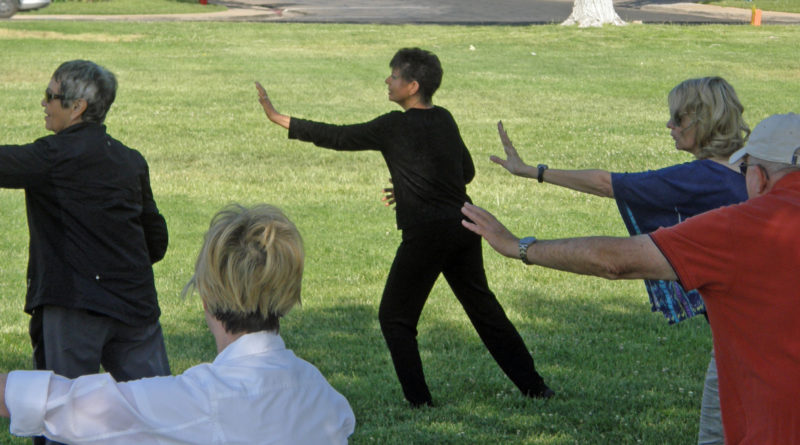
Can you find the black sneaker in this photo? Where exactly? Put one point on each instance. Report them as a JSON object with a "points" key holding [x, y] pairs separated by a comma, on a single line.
{"points": [[542, 393]]}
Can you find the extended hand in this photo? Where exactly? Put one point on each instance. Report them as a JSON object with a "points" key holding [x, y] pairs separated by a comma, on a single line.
{"points": [[269, 109], [514, 163], [486, 225]]}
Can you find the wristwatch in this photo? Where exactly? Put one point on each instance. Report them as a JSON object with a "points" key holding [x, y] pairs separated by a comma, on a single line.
{"points": [[524, 243], [541, 168]]}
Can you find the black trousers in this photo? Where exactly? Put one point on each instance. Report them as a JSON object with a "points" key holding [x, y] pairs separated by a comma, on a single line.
{"points": [[447, 248], [74, 342]]}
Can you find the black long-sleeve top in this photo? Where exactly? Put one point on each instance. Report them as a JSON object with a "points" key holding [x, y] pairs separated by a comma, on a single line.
{"points": [[429, 164], [94, 226]]}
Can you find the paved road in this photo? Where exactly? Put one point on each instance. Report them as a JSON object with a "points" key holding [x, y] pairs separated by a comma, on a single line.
{"points": [[492, 11], [468, 12]]}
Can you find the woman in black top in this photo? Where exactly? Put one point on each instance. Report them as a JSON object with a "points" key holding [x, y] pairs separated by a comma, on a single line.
{"points": [[430, 167]]}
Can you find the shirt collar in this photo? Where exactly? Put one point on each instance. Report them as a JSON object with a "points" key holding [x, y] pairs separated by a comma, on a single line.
{"points": [[79, 126], [250, 344]]}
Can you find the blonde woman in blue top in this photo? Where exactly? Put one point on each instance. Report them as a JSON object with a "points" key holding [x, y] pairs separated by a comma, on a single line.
{"points": [[705, 121]]}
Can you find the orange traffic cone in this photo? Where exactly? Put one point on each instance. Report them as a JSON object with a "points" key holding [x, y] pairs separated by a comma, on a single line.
{"points": [[755, 18]]}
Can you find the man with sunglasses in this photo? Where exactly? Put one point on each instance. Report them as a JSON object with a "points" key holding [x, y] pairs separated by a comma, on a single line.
{"points": [[95, 232], [742, 258]]}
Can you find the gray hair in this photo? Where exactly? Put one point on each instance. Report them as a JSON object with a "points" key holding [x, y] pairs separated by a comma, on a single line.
{"points": [[774, 167], [82, 79], [715, 112]]}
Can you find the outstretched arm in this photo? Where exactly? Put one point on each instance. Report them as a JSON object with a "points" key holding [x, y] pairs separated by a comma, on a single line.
{"points": [[607, 257], [273, 115], [596, 182], [3, 407]]}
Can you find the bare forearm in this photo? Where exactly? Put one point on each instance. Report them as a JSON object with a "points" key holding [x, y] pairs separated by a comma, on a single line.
{"points": [[280, 119], [596, 182], [3, 408], [606, 257]]}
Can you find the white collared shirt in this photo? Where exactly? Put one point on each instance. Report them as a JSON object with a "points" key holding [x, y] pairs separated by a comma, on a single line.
{"points": [[255, 392]]}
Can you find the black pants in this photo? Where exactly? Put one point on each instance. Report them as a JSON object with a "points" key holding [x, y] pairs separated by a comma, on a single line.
{"points": [[74, 342], [447, 248]]}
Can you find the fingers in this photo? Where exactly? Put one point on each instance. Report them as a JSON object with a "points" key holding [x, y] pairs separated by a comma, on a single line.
{"points": [[508, 146], [475, 213], [261, 91], [497, 160], [503, 135], [487, 226], [262, 95], [389, 199], [469, 226], [473, 218]]}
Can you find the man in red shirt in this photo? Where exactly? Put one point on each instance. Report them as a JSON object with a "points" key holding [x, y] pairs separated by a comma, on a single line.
{"points": [[742, 258]]}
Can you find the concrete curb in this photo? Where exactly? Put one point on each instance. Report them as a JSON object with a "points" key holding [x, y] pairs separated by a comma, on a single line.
{"points": [[251, 14], [728, 14]]}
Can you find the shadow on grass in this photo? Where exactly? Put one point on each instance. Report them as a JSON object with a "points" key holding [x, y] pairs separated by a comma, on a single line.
{"points": [[621, 374]]}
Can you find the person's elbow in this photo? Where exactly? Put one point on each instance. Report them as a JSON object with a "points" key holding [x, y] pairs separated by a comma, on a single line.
{"points": [[614, 271], [602, 184], [156, 236], [636, 257]]}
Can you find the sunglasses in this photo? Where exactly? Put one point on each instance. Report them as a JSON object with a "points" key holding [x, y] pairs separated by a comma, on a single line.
{"points": [[49, 96]]}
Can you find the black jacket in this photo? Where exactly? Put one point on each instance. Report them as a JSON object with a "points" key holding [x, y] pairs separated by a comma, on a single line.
{"points": [[94, 227]]}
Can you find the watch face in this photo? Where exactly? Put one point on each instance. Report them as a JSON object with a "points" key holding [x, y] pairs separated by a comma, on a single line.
{"points": [[524, 243]]}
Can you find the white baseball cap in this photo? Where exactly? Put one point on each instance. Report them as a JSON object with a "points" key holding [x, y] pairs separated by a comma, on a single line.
{"points": [[776, 139]]}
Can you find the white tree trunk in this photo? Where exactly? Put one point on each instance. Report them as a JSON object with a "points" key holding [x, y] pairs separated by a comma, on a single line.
{"points": [[593, 13]]}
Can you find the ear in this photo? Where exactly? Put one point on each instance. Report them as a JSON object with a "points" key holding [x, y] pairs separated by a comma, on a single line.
{"points": [[413, 87], [764, 184], [78, 108]]}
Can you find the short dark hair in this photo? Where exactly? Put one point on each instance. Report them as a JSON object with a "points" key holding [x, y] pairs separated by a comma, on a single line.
{"points": [[82, 79], [237, 322], [419, 65]]}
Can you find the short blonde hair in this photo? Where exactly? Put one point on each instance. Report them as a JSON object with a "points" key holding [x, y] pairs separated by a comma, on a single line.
{"points": [[250, 268], [715, 112]]}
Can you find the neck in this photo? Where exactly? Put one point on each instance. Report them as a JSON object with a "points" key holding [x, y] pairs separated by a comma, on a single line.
{"points": [[724, 161], [224, 339], [416, 102]]}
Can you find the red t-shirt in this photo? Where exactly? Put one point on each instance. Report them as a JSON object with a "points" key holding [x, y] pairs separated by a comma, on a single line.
{"points": [[745, 261]]}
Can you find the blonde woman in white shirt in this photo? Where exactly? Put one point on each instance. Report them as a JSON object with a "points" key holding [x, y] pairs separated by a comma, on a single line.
{"points": [[248, 275]]}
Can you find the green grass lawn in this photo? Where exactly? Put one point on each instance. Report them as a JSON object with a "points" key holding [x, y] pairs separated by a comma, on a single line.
{"points": [[569, 97]]}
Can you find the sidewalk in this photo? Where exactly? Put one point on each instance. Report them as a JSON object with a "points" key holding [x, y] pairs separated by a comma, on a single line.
{"points": [[729, 14]]}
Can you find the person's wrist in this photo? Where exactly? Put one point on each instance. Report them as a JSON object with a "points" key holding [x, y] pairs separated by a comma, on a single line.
{"points": [[529, 171], [524, 244], [540, 172]]}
